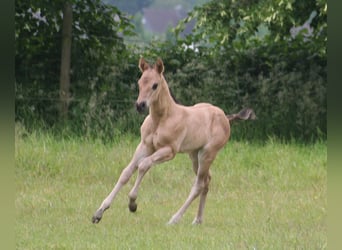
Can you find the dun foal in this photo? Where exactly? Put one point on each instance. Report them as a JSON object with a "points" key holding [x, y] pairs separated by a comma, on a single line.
{"points": [[200, 130]]}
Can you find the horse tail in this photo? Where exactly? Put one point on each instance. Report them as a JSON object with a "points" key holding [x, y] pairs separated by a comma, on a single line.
{"points": [[244, 114]]}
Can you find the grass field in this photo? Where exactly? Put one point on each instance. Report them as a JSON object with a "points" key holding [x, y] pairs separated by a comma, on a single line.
{"points": [[263, 196]]}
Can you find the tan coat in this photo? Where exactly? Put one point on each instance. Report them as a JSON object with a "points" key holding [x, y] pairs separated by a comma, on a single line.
{"points": [[200, 130]]}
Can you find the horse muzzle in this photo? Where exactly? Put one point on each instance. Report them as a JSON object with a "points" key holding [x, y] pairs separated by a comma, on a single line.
{"points": [[141, 107]]}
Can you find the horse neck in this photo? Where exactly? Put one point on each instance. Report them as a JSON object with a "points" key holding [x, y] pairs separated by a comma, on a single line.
{"points": [[164, 103]]}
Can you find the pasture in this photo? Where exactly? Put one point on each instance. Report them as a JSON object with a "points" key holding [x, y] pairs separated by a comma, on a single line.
{"points": [[270, 195]]}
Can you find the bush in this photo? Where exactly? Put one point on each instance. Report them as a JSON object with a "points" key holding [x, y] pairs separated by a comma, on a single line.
{"points": [[283, 79], [285, 83]]}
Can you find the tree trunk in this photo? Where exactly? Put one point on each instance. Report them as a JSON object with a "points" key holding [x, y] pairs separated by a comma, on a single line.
{"points": [[65, 61]]}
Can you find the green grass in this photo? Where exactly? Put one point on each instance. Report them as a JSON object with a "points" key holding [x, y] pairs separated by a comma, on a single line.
{"points": [[262, 196]]}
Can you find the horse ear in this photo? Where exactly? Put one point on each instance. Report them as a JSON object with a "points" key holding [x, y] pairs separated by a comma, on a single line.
{"points": [[143, 65], [159, 66]]}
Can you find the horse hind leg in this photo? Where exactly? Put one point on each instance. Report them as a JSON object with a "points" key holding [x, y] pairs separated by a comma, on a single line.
{"points": [[200, 187], [194, 193], [199, 218], [205, 157]]}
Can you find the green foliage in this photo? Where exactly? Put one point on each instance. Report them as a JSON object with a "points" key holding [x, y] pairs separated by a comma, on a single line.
{"points": [[99, 59], [249, 55], [268, 55], [284, 82], [221, 24], [132, 6]]}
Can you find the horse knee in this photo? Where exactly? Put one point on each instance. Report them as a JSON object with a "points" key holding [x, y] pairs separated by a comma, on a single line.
{"points": [[206, 185], [145, 165], [125, 176], [205, 189], [200, 185], [204, 176]]}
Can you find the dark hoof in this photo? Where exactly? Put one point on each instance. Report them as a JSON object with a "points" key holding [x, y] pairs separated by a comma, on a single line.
{"points": [[97, 217], [132, 207]]}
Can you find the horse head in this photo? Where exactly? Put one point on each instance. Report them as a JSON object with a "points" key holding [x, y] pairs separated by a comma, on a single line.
{"points": [[149, 84]]}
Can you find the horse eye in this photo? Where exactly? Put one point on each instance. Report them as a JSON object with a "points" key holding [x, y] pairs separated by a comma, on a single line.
{"points": [[154, 86]]}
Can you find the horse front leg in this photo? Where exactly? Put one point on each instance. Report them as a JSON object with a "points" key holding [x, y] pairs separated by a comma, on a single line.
{"points": [[161, 155], [126, 174]]}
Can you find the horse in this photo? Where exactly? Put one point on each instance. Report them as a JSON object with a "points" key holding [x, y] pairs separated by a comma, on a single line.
{"points": [[170, 128]]}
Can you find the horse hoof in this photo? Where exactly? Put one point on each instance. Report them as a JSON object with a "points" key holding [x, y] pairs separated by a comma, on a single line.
{"points": [[132, 207], [172, 221], [197, 221], [97, 217]]}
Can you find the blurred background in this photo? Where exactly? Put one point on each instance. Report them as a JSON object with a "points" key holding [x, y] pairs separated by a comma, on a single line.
{"points": [[76, 63]]}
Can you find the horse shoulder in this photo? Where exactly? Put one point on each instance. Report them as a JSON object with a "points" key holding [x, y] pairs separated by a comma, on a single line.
{"points": [[146, 131]]}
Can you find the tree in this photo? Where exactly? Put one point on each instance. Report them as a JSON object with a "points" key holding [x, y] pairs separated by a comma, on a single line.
{"points": [[221, 24], [65, 60], [132, 6], [96, 46]]}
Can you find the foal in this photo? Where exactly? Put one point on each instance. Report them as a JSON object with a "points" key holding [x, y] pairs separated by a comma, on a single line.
{"points": [[200, 130]]}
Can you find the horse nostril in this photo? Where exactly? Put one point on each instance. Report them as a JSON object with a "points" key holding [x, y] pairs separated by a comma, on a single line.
{"points": [[140, 106]]}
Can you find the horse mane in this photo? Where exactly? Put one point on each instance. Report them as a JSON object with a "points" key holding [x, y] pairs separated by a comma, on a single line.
{"points": [[173, 97]]}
